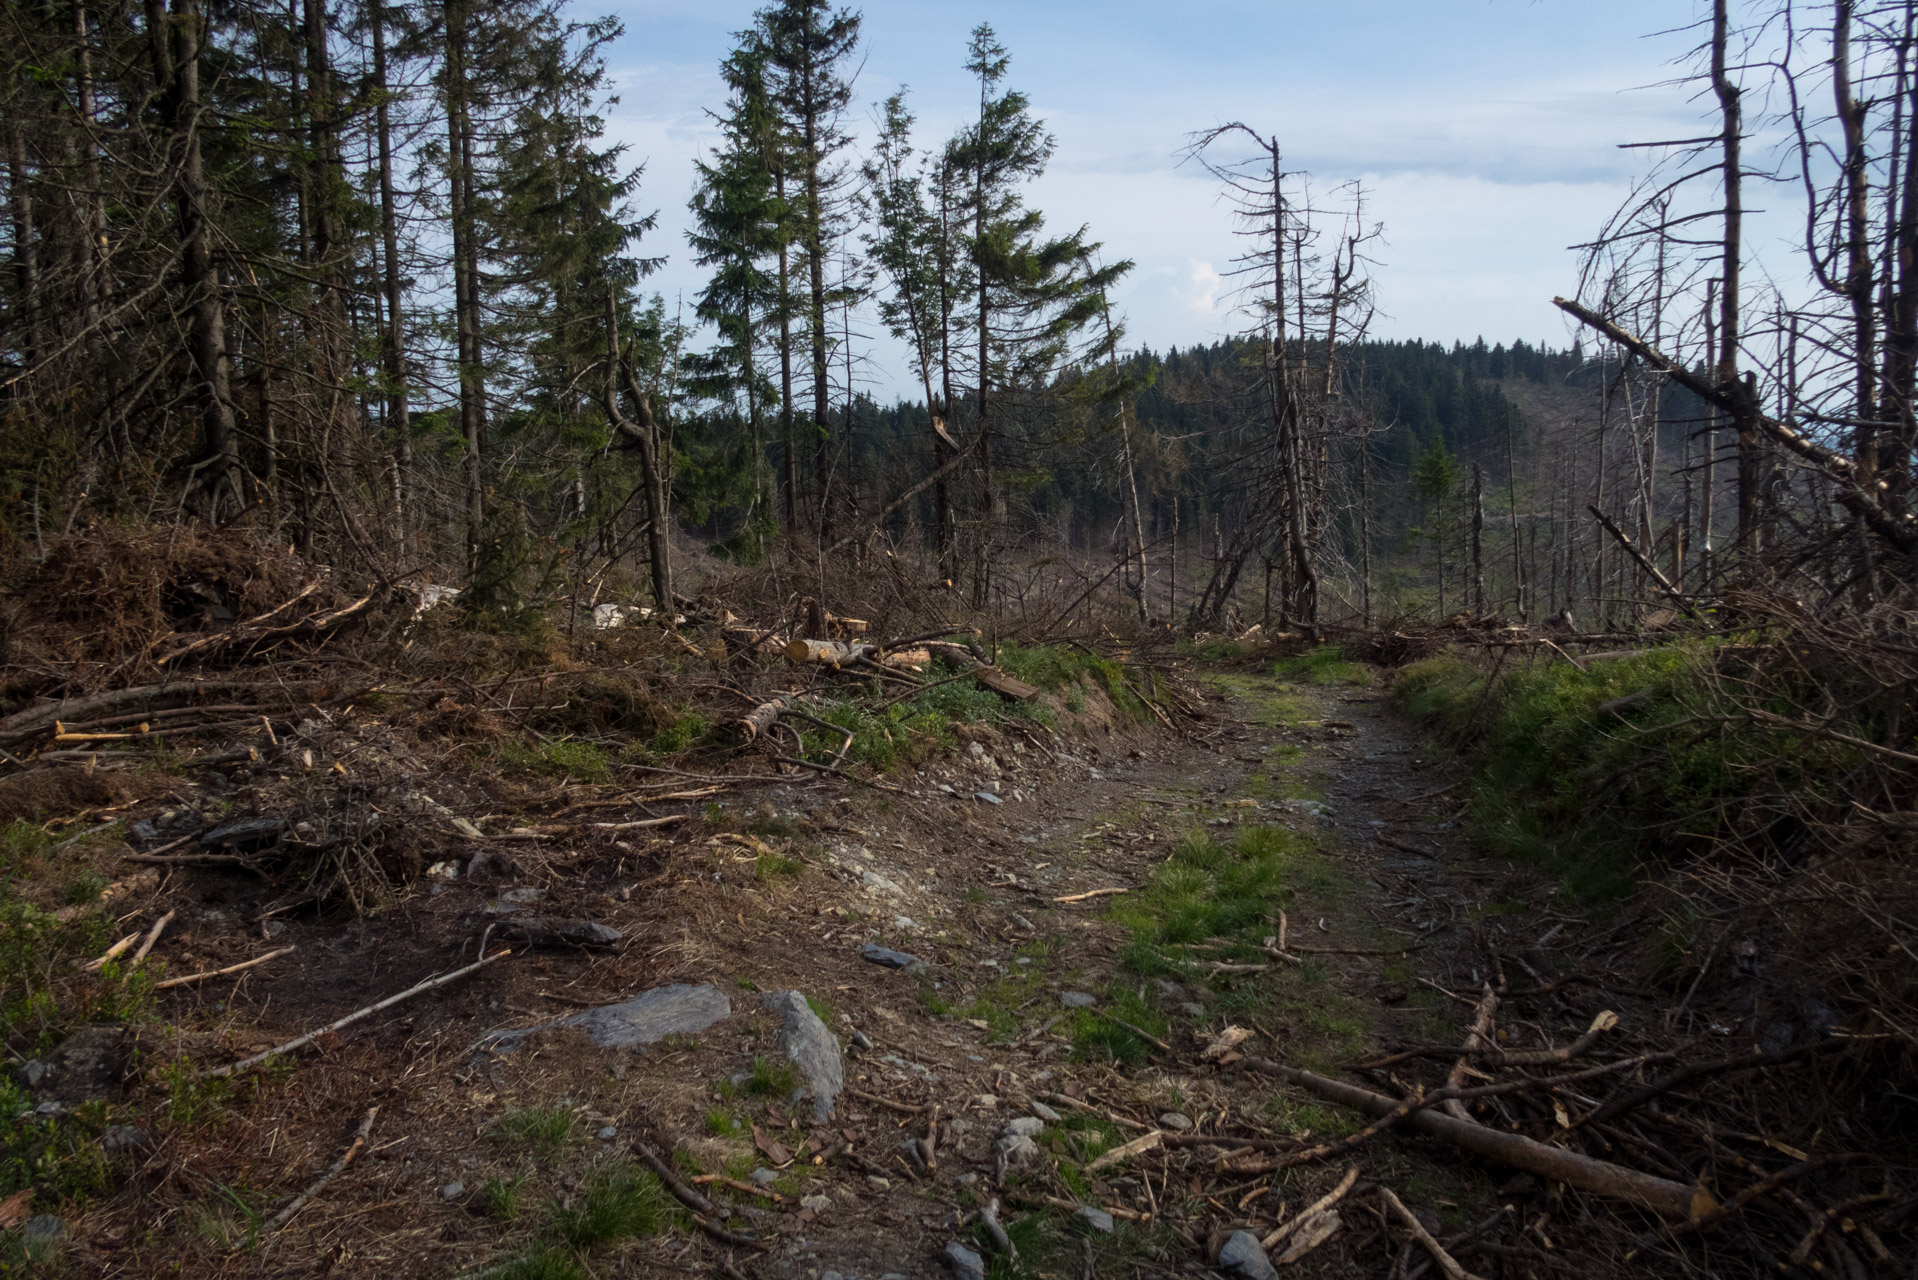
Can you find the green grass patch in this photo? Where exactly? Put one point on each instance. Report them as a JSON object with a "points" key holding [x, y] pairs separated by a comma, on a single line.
{"points": [[545, 1130], [1325, 665], [1588, 796], [567, 758], [620, 1202]]}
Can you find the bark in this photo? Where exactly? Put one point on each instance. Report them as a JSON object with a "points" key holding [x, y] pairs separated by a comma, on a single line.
{"points": [[644, 433], [1739, 396], [459, 157], [216, 478], [1673, 1201], [393, 339]]}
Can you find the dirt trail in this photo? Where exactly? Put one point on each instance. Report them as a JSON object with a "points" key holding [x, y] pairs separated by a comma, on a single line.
{"points": [[971, 890], [1310, 799]]}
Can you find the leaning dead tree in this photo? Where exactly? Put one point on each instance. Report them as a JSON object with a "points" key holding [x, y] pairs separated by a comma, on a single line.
{"points": [[1792, 410], [1304, 303]]}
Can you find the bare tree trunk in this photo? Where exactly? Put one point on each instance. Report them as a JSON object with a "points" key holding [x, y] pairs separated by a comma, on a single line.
{"points": [[1750, 460], [393, 345], [465, 279], [216, 475], [20, 210], [1478, 539], [644, 433]]}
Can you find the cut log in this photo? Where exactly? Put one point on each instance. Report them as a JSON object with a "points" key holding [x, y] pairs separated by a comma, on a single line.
{"points": [[759, 720], [1673, 1201], [987, 674], [830, 653]]}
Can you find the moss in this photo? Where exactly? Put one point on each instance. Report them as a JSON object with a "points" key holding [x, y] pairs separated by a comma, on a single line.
{"points": [[1326, 665]]}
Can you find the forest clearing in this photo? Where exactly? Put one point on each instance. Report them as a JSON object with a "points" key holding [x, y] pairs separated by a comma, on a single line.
{"points": [[866, 770]]}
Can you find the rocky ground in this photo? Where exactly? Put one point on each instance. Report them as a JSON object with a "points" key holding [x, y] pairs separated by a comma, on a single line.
{"points": [[1001, 1006]]}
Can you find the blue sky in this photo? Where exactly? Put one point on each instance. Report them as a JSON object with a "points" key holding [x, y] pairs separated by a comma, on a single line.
{"points": [[1484, 130]]}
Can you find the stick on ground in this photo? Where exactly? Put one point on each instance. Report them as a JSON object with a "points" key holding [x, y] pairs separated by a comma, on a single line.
{"points": [[190, 978], [300, 1042], [333, 1171], [1446, 1262]]}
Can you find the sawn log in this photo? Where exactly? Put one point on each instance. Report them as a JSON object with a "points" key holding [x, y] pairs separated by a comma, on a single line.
{"points": [[1673, 1201]]}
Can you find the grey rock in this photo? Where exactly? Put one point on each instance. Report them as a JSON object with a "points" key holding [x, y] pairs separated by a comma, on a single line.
{"points": [[1044, 1112], [1191, 1010], [87, 1065], [1175, 1121], [33, 1073], [811, 1048], [873, 953], [1077, 999], [1017, 1149], [43, 1234], [878, 883], [123, 1137], [965, 1264], [607, 1132], [762, 1176], [988, 797], [861, 1040], [830, 1275], [244, 831], [543, 931], [1243, 1255], [1778, 1037], [1095, 1219], [680, 1009], [818, 1204], [967, 1178], [1024, 1127], [452, 1191]]}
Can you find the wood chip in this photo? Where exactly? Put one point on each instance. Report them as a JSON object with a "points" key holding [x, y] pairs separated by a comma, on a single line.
{"points": [[1138, 1146]]}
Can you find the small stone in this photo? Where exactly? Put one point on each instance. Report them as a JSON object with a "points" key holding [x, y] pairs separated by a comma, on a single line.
{"points": [[883, 1184], [967, 1178], [32, 1073], [1191, 1010], [123, 1137], [1077, 999], [988, 797], [273, 929], [1017, 1149], [811, 1048], [43, 1233], [1095, 1219], [861, 1040], [886, 957], [1044, 1112], [762, 1176], [905, 924], [1243, 1255], [608, 1133], [879, 884], [965, 1264], [1175, 1121], [452, 1191], [1024, 1127], [818, 1204], [986, 1101]]}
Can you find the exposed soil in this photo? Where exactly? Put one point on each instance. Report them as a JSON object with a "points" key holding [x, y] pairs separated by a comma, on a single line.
{"points": [[778, 889]]}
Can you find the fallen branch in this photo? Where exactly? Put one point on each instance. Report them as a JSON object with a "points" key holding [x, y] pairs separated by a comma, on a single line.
{"points": [[1446, 1262], [153, 936], [333, 1171], [300, 1042], [1138, 1146], [703, 1209], [1317, 1207], [113, 952], [1671, 1200], [1478, 1038], [189, 979], [1090, 893]]}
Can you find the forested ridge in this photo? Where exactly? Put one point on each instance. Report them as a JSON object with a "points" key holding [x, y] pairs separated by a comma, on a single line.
{"points": [[1006, 781]]}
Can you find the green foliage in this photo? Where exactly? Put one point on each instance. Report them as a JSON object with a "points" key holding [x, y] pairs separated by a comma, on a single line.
{"points": [[545, 1130], [580, 761], [58, 1156], [1325, 665], [619, 1202], [683, 731], [499, 1197], [193, 1099], [542, 1261], [1588, 795], [721, 1123], [771, 1079], [1209, 889]]}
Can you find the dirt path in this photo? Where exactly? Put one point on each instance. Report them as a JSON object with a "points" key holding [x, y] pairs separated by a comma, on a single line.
{"points": [[1306, 797], [1032, 992]]}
